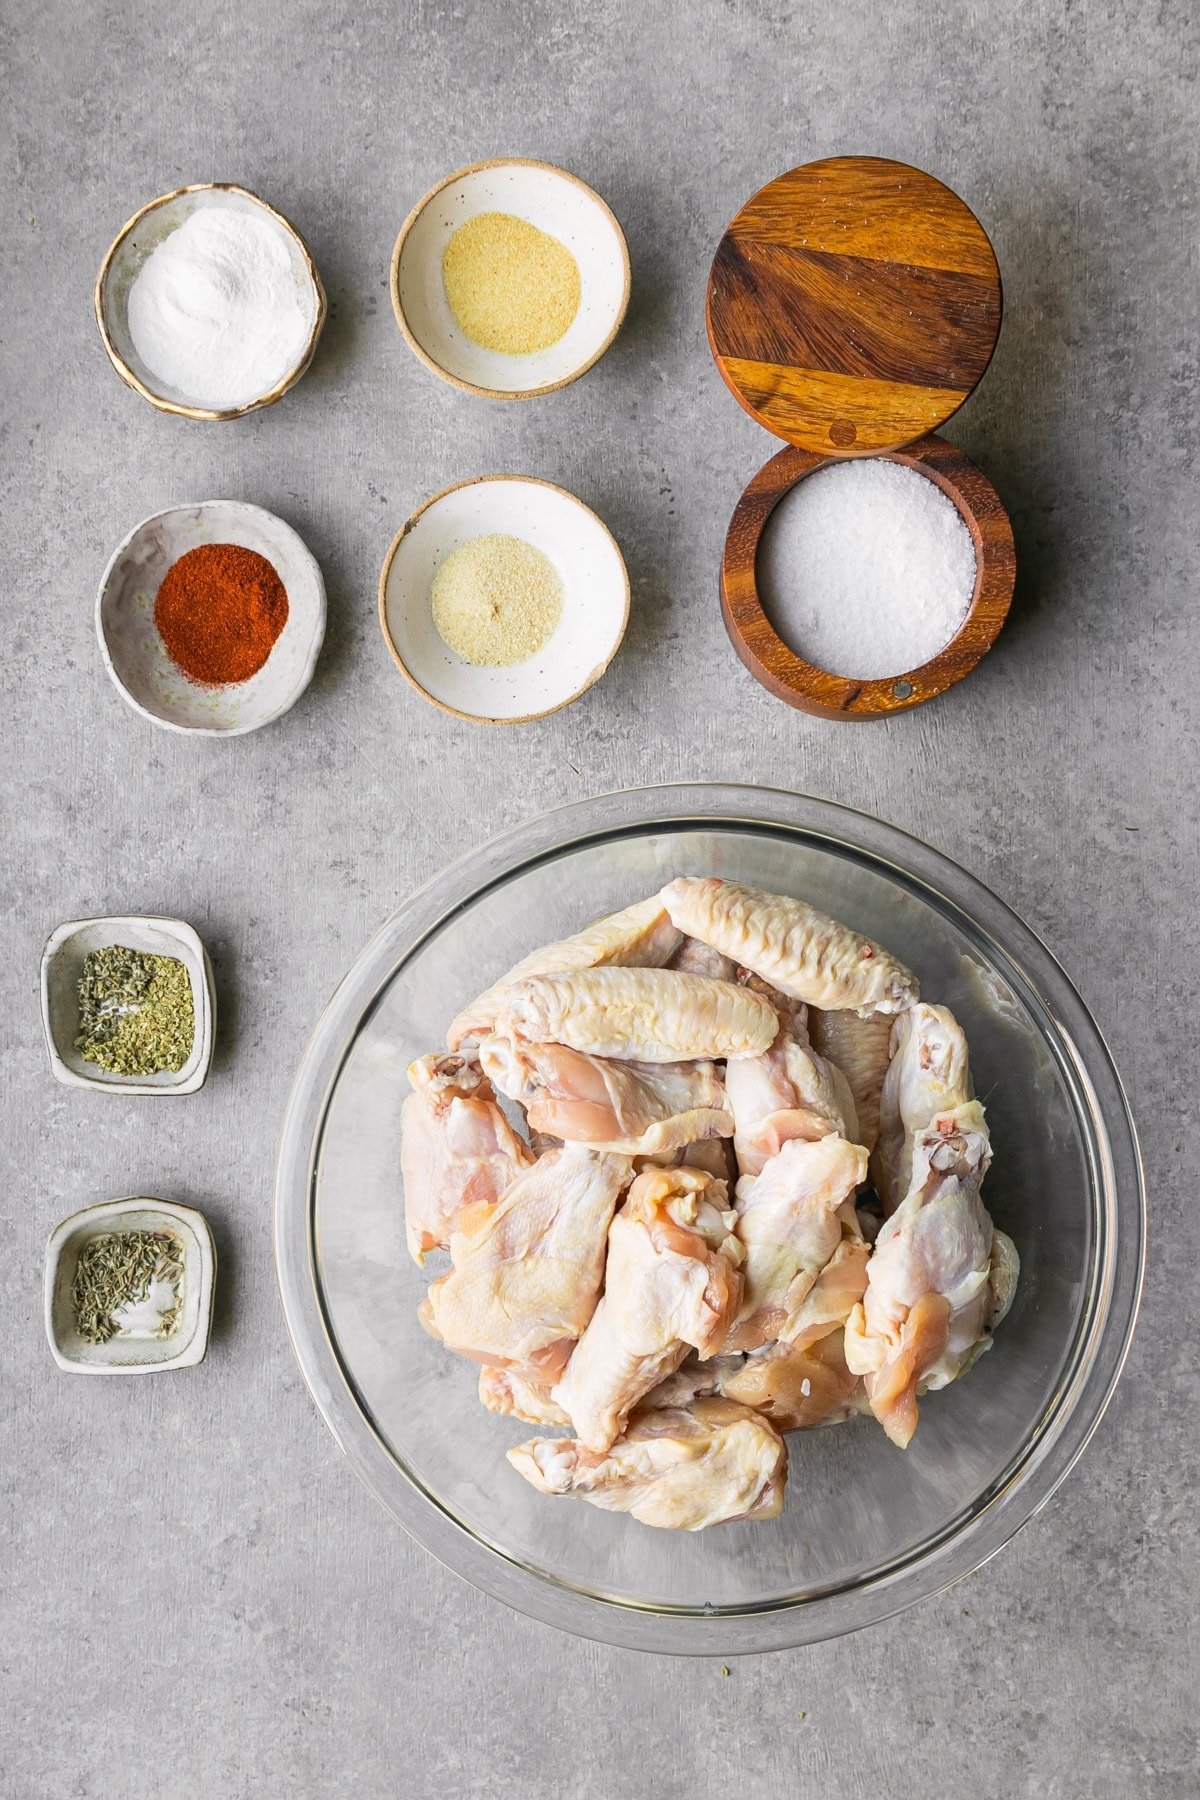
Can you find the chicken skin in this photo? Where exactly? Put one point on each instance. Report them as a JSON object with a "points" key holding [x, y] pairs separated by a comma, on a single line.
{"points": [[790, 1092], [694, 958], [791, 945], [643, 1015], [792, 1219], [797, 1388], [641, 935], [672, 1282], [861, 1049], [527, 1272], [635, 1108], [834, 1294], [714, 1156], [517, 1396], [927, 1074], [680, 1468], [939, 1278], [457, 1149]]}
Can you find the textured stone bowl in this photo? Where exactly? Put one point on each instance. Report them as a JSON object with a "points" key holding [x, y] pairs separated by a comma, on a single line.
{"points": [[187, 1342], [557, 203], [123, 263], [62, 966], [135, 655]]}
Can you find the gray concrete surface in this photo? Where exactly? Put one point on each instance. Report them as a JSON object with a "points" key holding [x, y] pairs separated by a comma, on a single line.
{"points": [[193, 1580]]}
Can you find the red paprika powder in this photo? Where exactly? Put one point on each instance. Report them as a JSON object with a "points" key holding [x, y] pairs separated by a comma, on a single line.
{"points": [[219, 611]]}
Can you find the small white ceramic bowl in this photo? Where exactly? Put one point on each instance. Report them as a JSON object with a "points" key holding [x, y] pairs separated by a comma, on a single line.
{"points": [[557, 203], [135, 655], [62, 966], [595, 598], [121, 266], [187, 1342]]}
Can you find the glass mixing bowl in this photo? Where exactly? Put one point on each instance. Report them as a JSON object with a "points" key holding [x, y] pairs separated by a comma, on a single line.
{"points": [[866, 1528]]}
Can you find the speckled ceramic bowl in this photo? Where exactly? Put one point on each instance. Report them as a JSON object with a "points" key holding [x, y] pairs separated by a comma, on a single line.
{"points": [[62, 965], [595, 598], [135, 655], [123, 262], [121, 1355], [557, 203]]}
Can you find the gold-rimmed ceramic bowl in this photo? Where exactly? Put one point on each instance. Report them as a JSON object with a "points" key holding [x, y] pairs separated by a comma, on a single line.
{"points": [[557, 203], [148, 228], [589, 564]]}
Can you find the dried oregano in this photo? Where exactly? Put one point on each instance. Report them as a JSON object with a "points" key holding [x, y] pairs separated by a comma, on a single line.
{"points": [[135, 1012]]}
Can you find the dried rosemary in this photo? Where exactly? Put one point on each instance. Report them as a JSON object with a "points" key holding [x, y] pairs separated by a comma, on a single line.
{"points": [[135, 1012], [119, 1272]]}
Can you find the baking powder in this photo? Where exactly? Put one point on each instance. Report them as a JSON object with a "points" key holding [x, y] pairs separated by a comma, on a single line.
{"points": [[218, 310]]}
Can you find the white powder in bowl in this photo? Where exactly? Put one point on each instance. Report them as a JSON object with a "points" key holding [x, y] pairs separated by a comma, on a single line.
{"points": [[217, 311], [866, 569]]}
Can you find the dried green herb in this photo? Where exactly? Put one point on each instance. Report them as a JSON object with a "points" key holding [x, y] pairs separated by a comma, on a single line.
{"points": [[135, 1012], [119, 1268]]}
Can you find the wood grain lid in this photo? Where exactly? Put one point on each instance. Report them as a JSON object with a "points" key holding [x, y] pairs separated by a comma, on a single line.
{"points": [[853, 304]]}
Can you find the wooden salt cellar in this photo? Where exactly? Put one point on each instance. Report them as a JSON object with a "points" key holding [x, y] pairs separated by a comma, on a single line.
{"points": [[853, 305]]}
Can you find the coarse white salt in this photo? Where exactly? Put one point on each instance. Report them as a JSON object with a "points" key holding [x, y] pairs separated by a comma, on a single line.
{"points": [[866, 569]]}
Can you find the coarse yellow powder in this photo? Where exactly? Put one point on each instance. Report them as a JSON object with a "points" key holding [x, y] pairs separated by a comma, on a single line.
{"points": [[497, 600], [510, 286]]}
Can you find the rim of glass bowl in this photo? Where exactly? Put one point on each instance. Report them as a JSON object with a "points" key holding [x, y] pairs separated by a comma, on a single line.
{"points": [[1102, 1337]]}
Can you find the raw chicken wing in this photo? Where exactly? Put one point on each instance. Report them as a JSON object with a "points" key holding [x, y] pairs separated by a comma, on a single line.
{"points": [[798, 1388], [790, 1092], [457, 1149], [791, 1219], [636, 1108], [714, 1156], [834, 1294], [647, 1015], [927, 1074], [672, 1283], [695, 958], [527, 1272], [642, 935], [790, 945], [937, 1280], [508, 1392], [681, 1468], [696, 1378], [861, 1049]]}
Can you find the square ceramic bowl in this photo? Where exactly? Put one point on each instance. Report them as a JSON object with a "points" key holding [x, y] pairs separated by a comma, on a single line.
{"points": [[135, 655], [122, 1355], [555, 202], [62, 966], [135, 241]]}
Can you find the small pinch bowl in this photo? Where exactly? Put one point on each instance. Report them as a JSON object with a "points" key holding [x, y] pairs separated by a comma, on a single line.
{"points": [[62, 966], [595, 598], [187, 1343], [785, 674], [123, 262], [136, 657], [556, 202]]}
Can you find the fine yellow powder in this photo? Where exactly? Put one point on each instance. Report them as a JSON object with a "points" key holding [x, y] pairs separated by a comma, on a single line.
{"points": [[510, 286], [497, 600]]}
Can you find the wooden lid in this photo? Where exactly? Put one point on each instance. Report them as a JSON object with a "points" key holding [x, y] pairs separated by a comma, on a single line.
{"points": [[853, 305]]}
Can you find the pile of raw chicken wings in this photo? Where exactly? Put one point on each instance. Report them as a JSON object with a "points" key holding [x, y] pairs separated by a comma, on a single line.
{"points": [[746, 1200]]}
